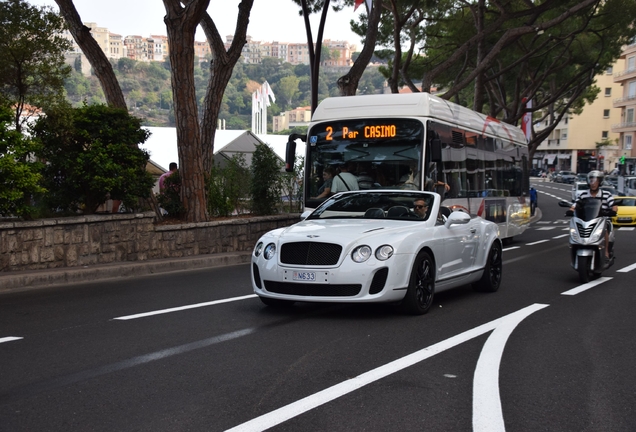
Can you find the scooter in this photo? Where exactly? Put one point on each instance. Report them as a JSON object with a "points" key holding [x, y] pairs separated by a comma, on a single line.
{"points": [[587, 238]]}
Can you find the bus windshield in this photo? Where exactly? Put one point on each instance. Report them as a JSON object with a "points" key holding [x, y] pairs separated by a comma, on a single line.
{"points": [[381, 153]]}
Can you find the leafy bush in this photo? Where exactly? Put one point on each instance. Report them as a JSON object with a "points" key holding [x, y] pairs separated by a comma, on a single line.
{"points": [[228, 186], [92, 155], [265, 186], [19, 173]]}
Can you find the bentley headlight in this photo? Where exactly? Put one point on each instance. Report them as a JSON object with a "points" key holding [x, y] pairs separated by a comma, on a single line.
{"points": [[361, 254], [258, 249], [270, 251], [384, 252]]}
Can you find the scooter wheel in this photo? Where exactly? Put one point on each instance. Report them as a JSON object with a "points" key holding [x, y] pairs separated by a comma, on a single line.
{"points": [[584, 265]]}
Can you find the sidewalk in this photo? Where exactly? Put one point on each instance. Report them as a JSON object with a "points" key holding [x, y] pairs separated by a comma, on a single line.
{"points": [[25, 280]]}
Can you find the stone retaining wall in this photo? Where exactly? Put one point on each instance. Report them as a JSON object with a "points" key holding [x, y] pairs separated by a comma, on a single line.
{"points": [[104, 239]]}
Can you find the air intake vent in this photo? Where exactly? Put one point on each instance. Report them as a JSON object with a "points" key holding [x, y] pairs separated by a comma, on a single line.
{"points": [[458, 137], [312, 290], [379, 279], [585, 232]]}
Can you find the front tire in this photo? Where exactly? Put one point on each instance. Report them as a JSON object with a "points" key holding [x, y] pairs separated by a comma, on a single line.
{"points": [[419, 295], [583, 266], [491, 279]]}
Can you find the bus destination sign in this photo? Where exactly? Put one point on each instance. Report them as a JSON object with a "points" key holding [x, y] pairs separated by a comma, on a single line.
{"points": [[367, 132]]}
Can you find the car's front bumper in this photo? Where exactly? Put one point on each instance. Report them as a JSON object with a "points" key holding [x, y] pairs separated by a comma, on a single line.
{"points": [[372, 281]]}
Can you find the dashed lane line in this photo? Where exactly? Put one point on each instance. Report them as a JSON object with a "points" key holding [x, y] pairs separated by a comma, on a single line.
{"points": [[587, 286], [10, 339], [181, 308]]}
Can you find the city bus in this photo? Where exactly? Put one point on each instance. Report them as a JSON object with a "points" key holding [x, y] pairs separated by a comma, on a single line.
{"points": [[422, 142]]}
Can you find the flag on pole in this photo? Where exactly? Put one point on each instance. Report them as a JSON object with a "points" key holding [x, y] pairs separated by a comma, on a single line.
{"points": [[359, 2], [526, 120], [270, 93], [264, 92]]}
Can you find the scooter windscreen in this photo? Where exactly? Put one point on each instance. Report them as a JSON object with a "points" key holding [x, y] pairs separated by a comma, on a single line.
{"points": [[588, 209]]}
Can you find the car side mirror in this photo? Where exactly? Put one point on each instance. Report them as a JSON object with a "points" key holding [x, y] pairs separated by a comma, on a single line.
{"points": [[457, 218]]}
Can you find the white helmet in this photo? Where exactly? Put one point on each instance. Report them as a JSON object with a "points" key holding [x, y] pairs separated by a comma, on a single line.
{"points": [[597, 175]]}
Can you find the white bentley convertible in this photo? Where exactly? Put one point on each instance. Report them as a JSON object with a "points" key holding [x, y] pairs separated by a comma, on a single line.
{"points": [[377, 246]]}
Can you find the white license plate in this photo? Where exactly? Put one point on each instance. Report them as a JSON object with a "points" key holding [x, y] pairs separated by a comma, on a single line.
{"points": [[304, 276], [624, 219]]}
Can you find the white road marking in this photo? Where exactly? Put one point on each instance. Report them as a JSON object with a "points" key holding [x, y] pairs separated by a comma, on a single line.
{"points": [[587, 286], [537, 242], [9, 339], [626, 228], [511, 248], [181, 308], [546, 228], [487, 413], [315, 400], [627, 269], [543, 222], [561, 236]]}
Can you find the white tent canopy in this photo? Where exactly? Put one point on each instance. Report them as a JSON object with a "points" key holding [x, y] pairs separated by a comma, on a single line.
{"points": [[162, 144]]}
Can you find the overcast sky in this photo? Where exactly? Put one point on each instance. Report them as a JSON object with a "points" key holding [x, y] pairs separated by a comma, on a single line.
{"points": [[270, 20]]}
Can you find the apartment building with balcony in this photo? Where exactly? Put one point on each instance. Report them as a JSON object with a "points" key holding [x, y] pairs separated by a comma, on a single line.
{"points": [[340, 53], [585, 141], [300, 116], [295, 53], [116, 49], [626, 103]]}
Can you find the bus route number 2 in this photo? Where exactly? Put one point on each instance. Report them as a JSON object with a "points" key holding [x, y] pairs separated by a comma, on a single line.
{"points": [[346, 133]]}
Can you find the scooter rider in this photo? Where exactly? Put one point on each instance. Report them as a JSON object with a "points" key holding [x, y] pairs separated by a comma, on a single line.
{"points": [[594, 180]]}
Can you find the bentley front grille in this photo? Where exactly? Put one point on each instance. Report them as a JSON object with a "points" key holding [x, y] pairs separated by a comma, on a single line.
{"points": [[312, 290], [310, 253]]}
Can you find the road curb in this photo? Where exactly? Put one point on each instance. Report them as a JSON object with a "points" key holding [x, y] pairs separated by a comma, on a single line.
{"points": [[18, 281]]}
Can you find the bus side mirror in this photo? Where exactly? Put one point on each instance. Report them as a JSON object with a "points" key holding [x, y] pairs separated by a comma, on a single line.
{"points": [[290, 156], [290, 151], [435, 147]]}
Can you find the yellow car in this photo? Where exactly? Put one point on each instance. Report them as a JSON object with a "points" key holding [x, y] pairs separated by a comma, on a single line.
{"points": [[626, 214]]}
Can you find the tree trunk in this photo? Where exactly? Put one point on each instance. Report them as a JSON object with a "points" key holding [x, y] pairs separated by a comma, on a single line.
{"points": [[93, 52], [181, 23], [221, 67], [478, 102], [348, 84]]}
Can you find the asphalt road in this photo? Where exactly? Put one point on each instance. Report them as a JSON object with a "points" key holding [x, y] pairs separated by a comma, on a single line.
{"points": [[195, 351]]}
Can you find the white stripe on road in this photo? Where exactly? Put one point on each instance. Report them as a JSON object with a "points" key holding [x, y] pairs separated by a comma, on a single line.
{"points": [[487, 413], [587, 286], [627, 269], [9, 339], [301, 406], [511, 248], [546, 228], [626, 228], [181, 308], [537, 242], [561, 236]]}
